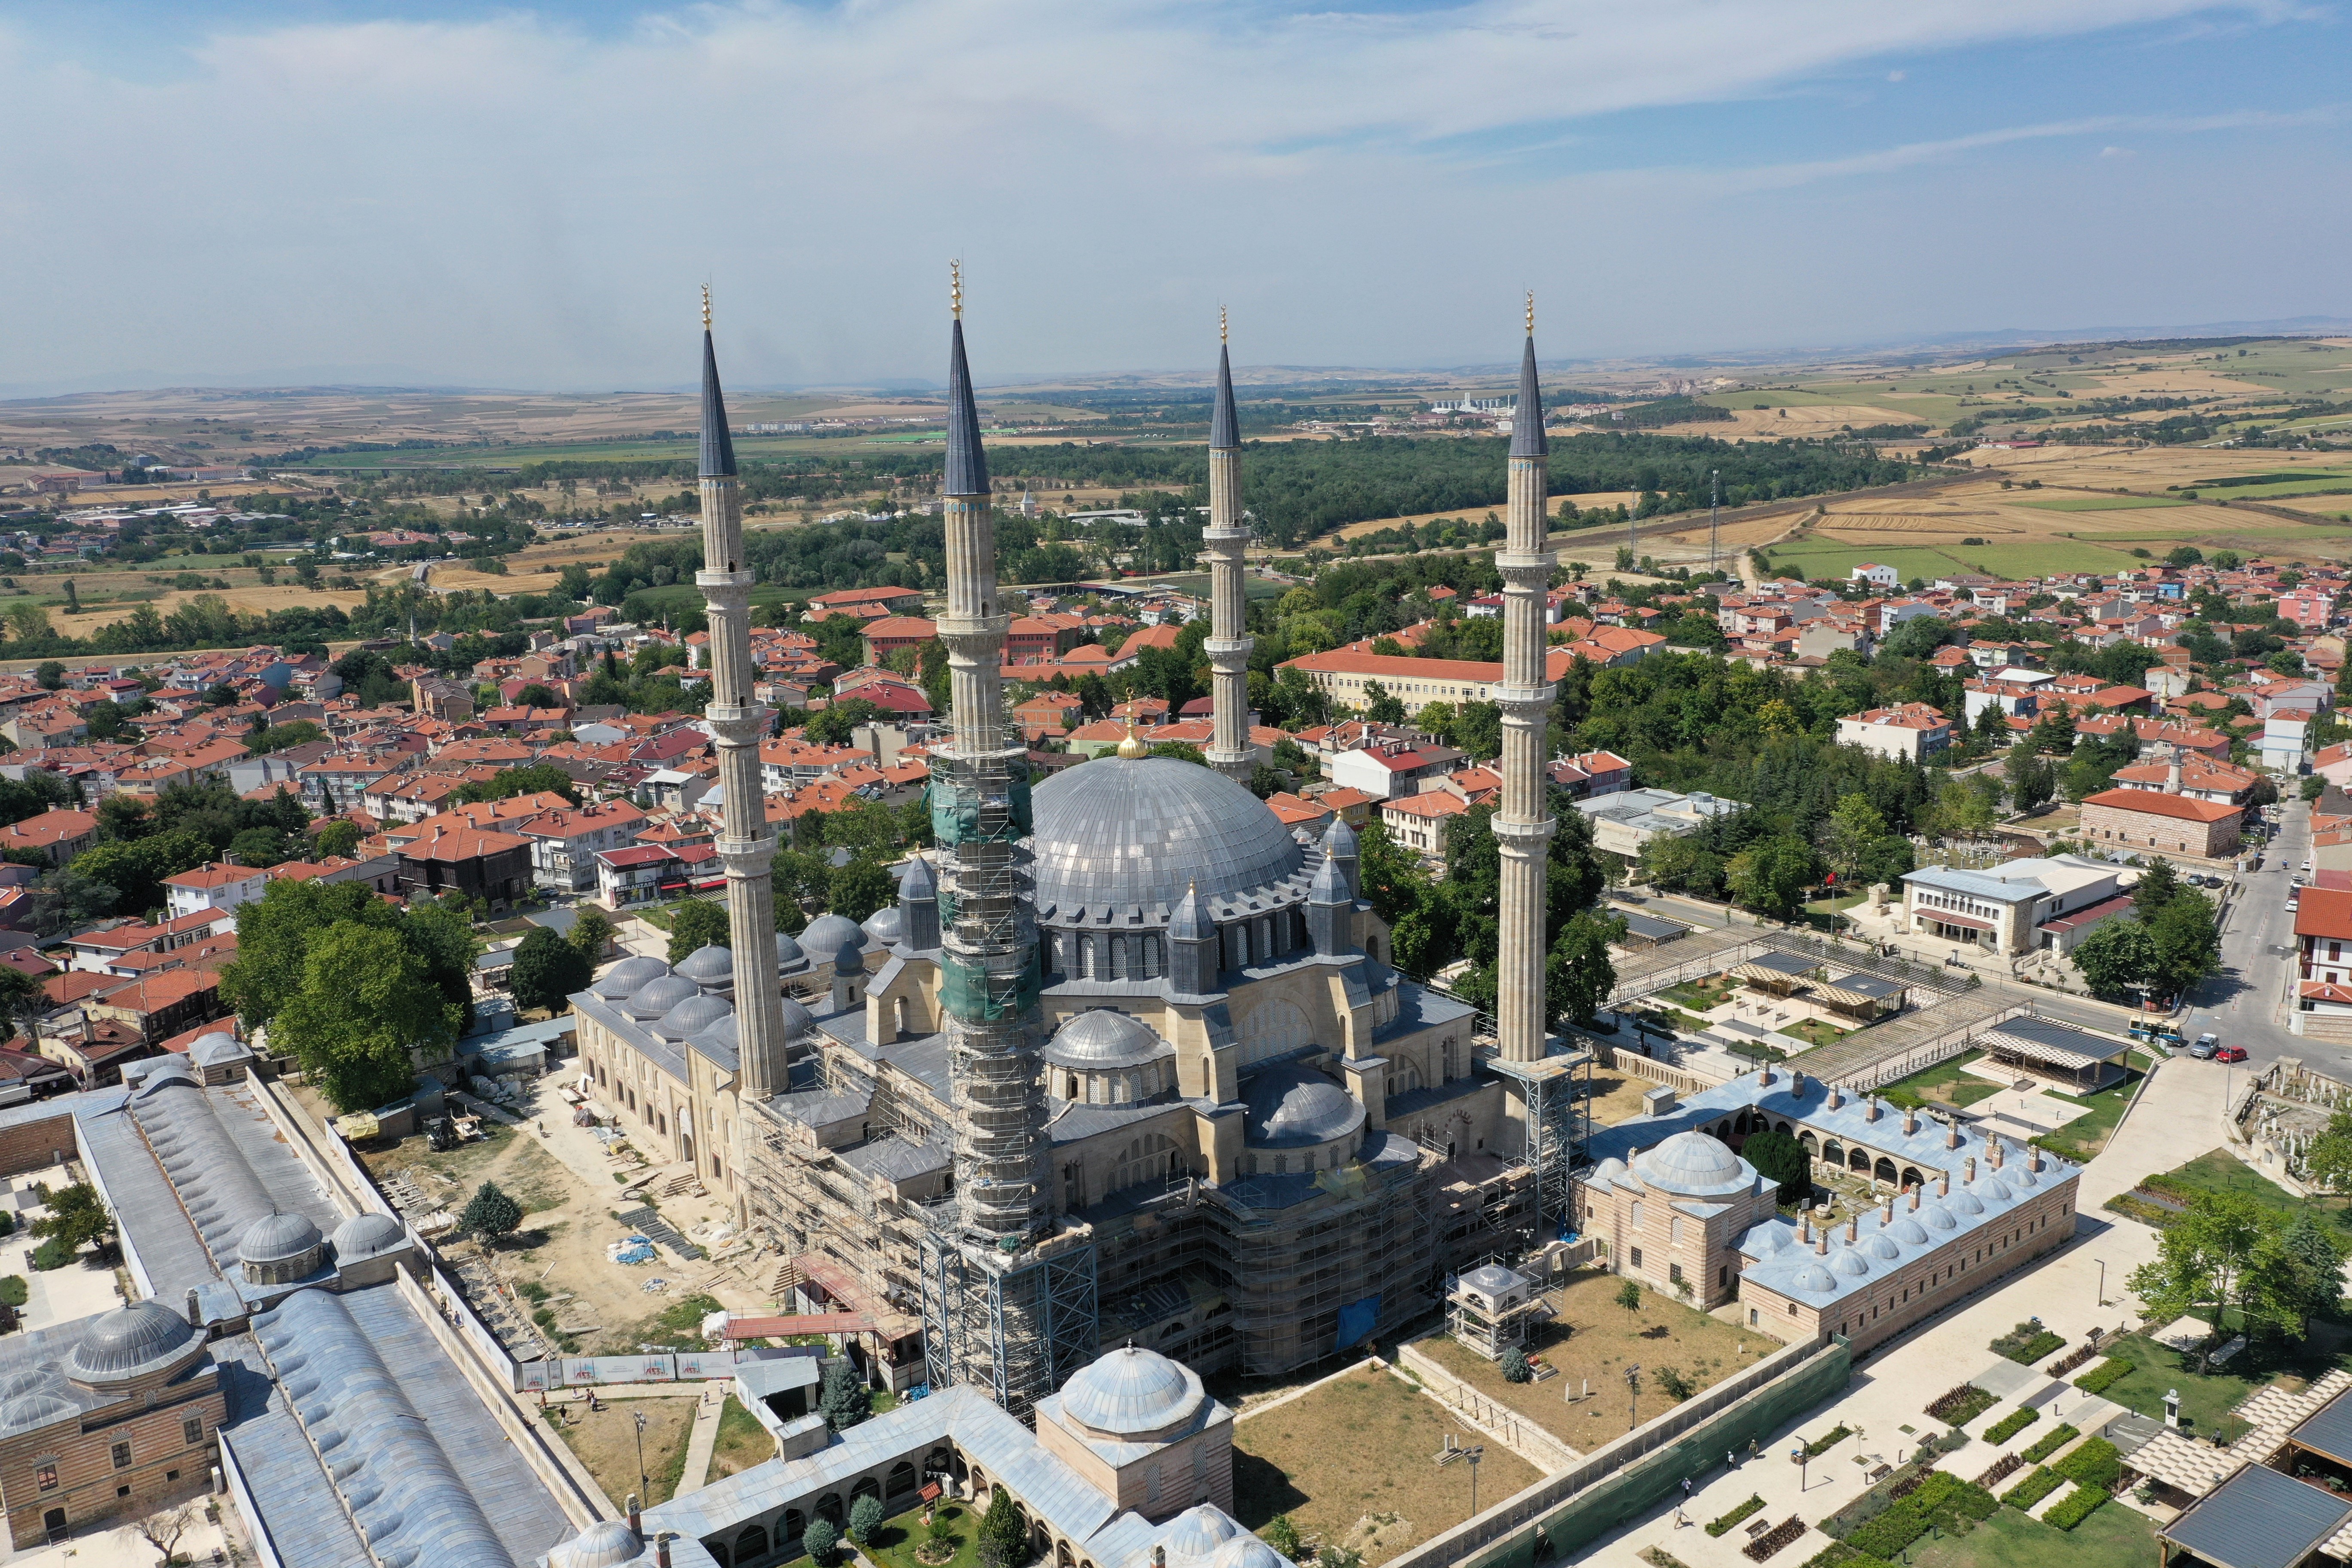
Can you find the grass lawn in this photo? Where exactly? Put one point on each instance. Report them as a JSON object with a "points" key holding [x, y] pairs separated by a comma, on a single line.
{"points": [[1354, 1465], [2084, 1136], [1699, 996], [1834, 558], [1592, 1337], [606, 1442], [1946, 1083], [2206, 1399], [2113, 1537], [2040, 557], [1815, 1031], [895, 1540], [1617, 1094], [2101, 503], [2219, 1171], [742, 1441]]}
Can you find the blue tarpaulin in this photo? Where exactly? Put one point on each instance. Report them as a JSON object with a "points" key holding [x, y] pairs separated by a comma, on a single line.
{"points": [[1357, 1321]]}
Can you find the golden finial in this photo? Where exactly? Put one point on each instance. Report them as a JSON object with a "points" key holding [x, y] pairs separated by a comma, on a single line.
{"points": [[1531, 312], [1134, 747], [955, 289], [1221, 324], [705, 307]]}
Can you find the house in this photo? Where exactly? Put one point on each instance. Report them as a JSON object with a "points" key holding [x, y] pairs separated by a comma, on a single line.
{"points": [[1417, 822], [219, 886], [55, 835], [1911, 732], [2285, 740], [2009, 909], [1589, 773], [479, 862], [876, 601], [2169, 824], [2323, 928], [160, 1005], [1876, 575], [634, 874], [1389, 770]]}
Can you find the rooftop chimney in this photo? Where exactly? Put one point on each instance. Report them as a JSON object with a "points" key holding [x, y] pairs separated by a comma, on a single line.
{"points": [[661, 1550], [1993, 1145], [1821, 1245], [1872, 1113], [636, 1521], [1853, 1229], [1910, 1120], [196, 1313], [1797, 1084], [1805, 1228], [1837, 1097], [2033, 1158], [1886, 1214], [1952, 1133], [1764, 1076], [1968, 1170], [1914, 1200], [1943, 1186]]}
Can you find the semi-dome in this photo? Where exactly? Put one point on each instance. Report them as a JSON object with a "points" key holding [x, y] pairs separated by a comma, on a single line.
{"points": [[1102, 1038], [629, 976], [27, 1411], [886, 925], [691, 1017], [660, 996], [140, 1338], [367, 1236], [277, 1239], [711, 967], [1246, 1551], [835, 940], [1130, 1392], [607, 1544], [798, 1020], [1290, 1108], [1198, 1531], [1765, 1240], [1694, 1163], [1609, 1169], [1127, 836], [789, 953]]}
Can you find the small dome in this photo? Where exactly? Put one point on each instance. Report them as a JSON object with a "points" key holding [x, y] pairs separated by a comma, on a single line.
{"points": [[27, 1411], [1246, 1551], [1694, 1163], [277, 1239], [26, 1382], [1994, 1189], [835, 940], [711, 967], [607, 1544], [886, 925], [129, 1341], [1289, 1107], [1609, 1169], [1846, 1261], [691, 1017], [367, 1236], [1966, 1202], [1493, 1279], [1196, 1534], [789, 956], [1938, 1218], [798, 1021], [1130, 1392], [218, 1049], [722, 1036], [1765, 1240], [1882, 1245], [660, 996], [1906, 1231], [628, 977], [2022, 1176], [1102, 1038], [1813, 1276]]}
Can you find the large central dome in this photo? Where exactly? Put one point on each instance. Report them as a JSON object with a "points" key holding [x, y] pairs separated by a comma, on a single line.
{"points": [[1122, 836]]}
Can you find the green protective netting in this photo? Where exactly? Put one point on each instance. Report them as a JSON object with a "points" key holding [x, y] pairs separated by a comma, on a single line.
{"points": [[1626, 1494], [955, 814], [977, 996]]}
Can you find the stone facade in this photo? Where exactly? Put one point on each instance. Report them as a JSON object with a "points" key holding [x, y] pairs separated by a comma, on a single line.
{"points": [[2169, 824]]}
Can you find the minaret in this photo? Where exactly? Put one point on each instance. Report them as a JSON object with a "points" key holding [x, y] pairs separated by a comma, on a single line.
{"points": [[1523, 827], [737, 724], [1224, 544], [989, 977]]}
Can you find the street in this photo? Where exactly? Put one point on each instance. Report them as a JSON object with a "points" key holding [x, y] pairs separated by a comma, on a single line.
{"points": [[2244, 1004]]}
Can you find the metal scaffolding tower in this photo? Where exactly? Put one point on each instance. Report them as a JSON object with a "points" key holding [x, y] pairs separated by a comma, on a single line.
{"points": [[1017, 1324], [1556, 1091]]}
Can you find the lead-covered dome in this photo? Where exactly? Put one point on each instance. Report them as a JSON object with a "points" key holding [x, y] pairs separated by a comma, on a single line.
{"points": [[1693, 1165], [1198, 1533], [660, 996], [1290, 1108], [30, 1410], [691, 1017], [140, 1338], [367, 1236], [1102, 1038], [1131, 1392], [607, 1544], [835, 940], [1127, 836], [629, 976], [887, 925], [711, 967], [1247, 1551]]}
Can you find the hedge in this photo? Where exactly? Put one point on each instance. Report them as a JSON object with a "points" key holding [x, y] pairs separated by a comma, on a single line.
{"points": [[2097, 1463], [1962, 1405], [1722, 1526], [2003, 1469], [2109, 1370], [2033, 1488], [1819, 1446], [2010, 1424], [1840, 1556], [2078, 1507], [1943, 1499], [2050, 1443], [2027, 1343]]}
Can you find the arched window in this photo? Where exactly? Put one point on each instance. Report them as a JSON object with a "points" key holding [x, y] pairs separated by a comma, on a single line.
{"points": [[1805, 1142], [794, 1522], [1884, 1171], [1781, 1127], [1912, 1178], [1859, 1161], [1148, 967], [867, 1487], [1119, 958], [752, 1541], [1833, 1152]]}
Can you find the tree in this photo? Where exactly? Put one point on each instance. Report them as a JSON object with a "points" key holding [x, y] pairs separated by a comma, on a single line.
{"points": [[819, 1539], [1003, 1542], [695, 924], [259, 846], [864, 1516], [1772, 876], [490, 1213], [2186, 940], [25, 1002], [2328, 1162], [2116, 958], [1515, 1365], [2318, 1260], [76, 1216], [51, 675], [843, 1400], [1854, 825], [164, 1532], [833, 726], [856, 890], [1629, 1296], [1380, 705], [591, 932], [2202, 1258], [2155, 888], [548, 970], [2033, 782], [1578, 974], [135, 867], [509, 783], [2315, 785], [1780, 1158], [339, 839], [366, 1011]]}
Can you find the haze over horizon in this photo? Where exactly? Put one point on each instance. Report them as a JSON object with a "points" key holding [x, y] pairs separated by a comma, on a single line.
{"points": [[446, 193]]}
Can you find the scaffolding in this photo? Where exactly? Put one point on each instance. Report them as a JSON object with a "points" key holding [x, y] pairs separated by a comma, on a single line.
{"points": [[1314, 1280], [1556, 1092], [1018, 1326]]}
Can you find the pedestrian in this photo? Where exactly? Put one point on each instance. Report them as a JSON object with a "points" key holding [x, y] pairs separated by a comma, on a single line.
{"points": [[1730, 1459], [1685, 1489]]}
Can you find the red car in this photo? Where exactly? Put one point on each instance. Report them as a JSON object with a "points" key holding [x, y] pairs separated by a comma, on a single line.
{"points": [[2231, 1054]]}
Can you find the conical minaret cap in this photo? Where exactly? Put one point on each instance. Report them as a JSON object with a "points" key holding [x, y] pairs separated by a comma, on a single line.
{"points": [[718, 445], [1527, 420], [967, 463], [1190, 923], [1224, 425]]}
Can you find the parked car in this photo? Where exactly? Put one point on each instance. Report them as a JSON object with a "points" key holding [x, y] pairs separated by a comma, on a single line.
{"points": [[2231, 1054], [2204, 1047]]}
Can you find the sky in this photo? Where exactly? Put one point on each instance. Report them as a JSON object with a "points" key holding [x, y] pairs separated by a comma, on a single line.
{"points": [[442, 194]]}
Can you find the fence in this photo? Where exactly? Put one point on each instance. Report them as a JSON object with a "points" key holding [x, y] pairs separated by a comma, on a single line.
{"points": [[1537, 1446], [1615, 1483], [658, 1366]]}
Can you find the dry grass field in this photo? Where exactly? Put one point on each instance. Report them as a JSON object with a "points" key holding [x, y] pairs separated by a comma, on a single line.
{"points": [[249, 598]]}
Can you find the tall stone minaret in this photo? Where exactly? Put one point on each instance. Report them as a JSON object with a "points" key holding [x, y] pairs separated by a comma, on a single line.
{"points": [[1224, 542], [989, 977], [737, 724], [1523, 827]]}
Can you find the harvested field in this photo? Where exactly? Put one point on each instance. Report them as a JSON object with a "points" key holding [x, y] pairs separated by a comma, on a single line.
{"points": [[1354, 1466]]}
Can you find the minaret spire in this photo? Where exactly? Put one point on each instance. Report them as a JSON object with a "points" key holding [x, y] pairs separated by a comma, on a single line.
{"points": [[1225, 544], [1522, 826], [737, 724]]}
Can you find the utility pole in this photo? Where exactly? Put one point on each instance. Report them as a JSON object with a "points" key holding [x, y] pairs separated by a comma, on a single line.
{"points": [[1714, 501], [1632, 1394]]}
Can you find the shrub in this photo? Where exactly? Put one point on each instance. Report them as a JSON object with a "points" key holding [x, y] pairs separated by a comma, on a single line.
{"points": [[2004, 1468], [2074, 1510], [818, 1539], [1674, 1384], [52, 1254], [14, 1290], [2050, 1443], [1004, 1542], [2097, 1463], [2032, 1489], [865, 1515], [490, 1213], [1724, 1525], [2010, 1424], [2028, 1342], [2072, 1359], [1773, 1540], [1283, 1536], [1942, 1499], [1962, 1405], [1515, 1365], [1830, 1439], [2111, 1370], [1838, 1554], [1629, 1296]]}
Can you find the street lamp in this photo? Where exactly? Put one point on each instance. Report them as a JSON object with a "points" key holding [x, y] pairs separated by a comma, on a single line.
{"points": [[637, 1417], [1632, 1394], [2103, 1280], [1473, 1454]]}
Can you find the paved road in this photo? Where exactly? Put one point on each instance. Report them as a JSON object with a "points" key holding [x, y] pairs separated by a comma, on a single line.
{"points": [[2243, 1003]]}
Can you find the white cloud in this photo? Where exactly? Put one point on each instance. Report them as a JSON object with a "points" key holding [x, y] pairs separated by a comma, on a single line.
{"points": [[510, 200]]}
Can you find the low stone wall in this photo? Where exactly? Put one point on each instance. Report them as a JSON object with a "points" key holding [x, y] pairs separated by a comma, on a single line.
{"points": [[1518, 1433]]}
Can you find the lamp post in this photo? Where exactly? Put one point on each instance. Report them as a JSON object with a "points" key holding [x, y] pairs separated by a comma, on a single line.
{"points": [[2103, 1280], [1473, 1454], [1632, 1394], [637, 1418]]}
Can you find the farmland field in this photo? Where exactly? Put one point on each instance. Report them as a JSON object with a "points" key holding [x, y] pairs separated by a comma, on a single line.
{"points": [[2102, 503]]}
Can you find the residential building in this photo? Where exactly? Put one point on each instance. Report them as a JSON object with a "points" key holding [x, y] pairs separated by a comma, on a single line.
{"points": [[219, 886], [1389, 770], [2323, 930], [635, 875], [479, 862], [1910, 732], [1417, 822], [55, 835]]}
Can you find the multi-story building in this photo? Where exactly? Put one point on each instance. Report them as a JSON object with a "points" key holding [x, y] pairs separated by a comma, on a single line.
{"points": [[219, 886], [1910, 732]]}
